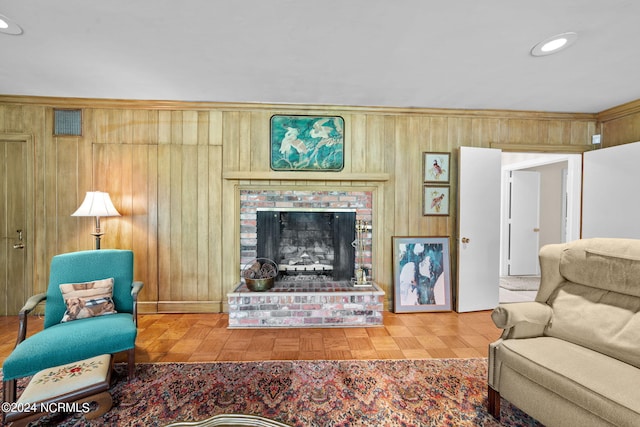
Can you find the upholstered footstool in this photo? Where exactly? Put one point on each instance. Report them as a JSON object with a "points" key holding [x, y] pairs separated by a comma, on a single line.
{"points": [[66, 388]]}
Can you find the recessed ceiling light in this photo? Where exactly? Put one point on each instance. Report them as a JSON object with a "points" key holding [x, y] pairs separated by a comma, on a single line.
{"points": [[554, 44], [7, 26]]}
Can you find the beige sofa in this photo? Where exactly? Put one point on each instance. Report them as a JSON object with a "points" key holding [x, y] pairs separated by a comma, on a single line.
{"points": [[572, 357]]}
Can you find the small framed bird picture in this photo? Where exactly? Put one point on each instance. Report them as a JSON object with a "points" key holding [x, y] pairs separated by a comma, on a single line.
{"points": [[436, 167], [435, 200]]}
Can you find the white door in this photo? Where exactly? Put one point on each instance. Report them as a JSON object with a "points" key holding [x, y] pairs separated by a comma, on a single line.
{"points": [[478, 228], [610, 203], [524, 215]]}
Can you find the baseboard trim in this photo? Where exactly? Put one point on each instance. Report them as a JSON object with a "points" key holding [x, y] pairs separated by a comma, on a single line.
{"points": [[189, 306]]}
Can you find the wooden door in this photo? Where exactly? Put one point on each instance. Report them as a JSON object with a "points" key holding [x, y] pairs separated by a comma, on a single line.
{"points": [[15, 223]]}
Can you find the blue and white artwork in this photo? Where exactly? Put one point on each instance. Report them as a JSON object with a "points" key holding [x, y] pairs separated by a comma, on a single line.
{"points": [[307, 143], [421, 274]]}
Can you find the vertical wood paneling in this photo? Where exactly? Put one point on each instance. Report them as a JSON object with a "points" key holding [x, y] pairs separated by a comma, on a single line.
{"points": [[123, 196], [346, 155], [580, 134], [374, 151], [402, 199], [188, 254], [525, 131], [230, 250], [164, 170], [201, 241], [148, 209], [358, 143], [177, 123], [13, 117], [50, 203], [413, 148], [127, 126], [260, 141], [245, 142], [164, 127], [140, 195], [215, 128], [112, 174], [438, 135], [66, 167], [164, 222], [231, 140], [203, 128], [216, 245], [190, 127], [559, 131], [621, 131], [176, 222], [144, 127], [39, 119], [15, 212], [5, 266]]}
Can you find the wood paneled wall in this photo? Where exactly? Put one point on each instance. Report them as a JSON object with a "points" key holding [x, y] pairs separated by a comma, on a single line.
{"points": [[620, 125], [174, 171]]}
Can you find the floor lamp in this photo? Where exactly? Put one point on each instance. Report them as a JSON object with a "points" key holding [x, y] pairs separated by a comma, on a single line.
{"points": [[97, 204]]}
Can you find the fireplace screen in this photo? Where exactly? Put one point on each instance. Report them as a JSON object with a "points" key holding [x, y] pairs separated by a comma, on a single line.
{"points": [[314, 244]]}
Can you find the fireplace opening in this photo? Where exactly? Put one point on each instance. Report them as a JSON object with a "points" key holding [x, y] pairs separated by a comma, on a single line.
{"points": [[308, 244]]}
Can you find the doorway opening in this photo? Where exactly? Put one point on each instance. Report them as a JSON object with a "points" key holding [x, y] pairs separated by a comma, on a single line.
{"points": [[540, 205]]}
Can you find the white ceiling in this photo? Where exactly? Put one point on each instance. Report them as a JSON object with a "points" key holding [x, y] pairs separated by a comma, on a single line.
{"points": [[467, 54]]}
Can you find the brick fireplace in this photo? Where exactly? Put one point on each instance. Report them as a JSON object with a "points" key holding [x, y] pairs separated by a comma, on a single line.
{"points": [[309, 234], [253, 201]]}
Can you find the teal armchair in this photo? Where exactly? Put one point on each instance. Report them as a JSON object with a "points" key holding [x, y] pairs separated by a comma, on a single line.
{"points": [[71, 341]]}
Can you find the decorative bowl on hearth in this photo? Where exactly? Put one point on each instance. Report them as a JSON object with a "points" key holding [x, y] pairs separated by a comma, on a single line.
{"points": [[260, 274]]}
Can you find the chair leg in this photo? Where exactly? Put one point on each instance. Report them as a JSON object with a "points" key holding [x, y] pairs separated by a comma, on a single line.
{"points": [[9, 389], [131, 360], [493, 404], [8, 395]]}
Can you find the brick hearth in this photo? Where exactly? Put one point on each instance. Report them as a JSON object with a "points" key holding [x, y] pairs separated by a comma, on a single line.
{"points": [[310, 304]]}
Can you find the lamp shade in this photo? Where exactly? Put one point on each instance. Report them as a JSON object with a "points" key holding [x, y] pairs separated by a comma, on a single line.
{"points": [[96, 203]]}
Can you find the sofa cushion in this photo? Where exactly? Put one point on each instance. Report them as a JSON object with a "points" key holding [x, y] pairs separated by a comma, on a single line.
{"points": [[604, 386], [70, 342], [611, 264], [605, 321]]}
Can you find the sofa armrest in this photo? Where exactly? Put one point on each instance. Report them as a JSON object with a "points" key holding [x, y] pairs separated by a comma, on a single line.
{"points": [[550, 277], [522, 319], [28, 307], [135, 290]]}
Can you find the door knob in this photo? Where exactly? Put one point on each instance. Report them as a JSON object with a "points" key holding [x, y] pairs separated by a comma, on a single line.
{"points": [[19, 244], [536, 230], [465, 240]]}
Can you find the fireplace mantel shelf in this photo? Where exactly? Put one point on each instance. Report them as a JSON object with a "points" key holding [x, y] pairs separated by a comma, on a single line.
{"points": [[304, 176]]}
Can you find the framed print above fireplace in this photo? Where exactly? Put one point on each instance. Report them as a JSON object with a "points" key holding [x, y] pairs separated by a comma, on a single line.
{"points": [[307, 143], [422, 274]]}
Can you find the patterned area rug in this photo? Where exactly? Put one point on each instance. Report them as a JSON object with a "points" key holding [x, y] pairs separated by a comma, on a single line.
{"points": [[432, 392]]}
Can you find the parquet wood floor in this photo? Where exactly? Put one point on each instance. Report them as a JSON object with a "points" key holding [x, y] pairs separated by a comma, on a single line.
{"points": [[206, 338]]}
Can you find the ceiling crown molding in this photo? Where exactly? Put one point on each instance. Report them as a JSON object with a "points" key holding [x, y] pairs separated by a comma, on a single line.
{"points": [[619, 111]]}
